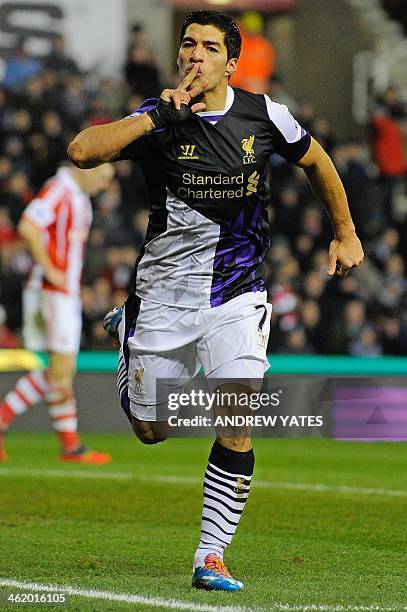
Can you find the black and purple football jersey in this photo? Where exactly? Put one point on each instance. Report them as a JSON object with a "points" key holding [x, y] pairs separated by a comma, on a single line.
{"points": [[208, 230]]}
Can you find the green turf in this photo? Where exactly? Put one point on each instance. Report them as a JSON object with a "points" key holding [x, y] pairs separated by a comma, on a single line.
{"points": [[138, 537]]}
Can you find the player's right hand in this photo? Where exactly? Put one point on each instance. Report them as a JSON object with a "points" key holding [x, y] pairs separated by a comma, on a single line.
{"points": [[174, 105], [55, 277]]}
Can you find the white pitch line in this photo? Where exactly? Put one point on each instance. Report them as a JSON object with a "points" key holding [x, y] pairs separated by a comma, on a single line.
{"points": [[61, 473], [192, 480], [333, 608], [159, 602], [292, 486], [156, 602]]}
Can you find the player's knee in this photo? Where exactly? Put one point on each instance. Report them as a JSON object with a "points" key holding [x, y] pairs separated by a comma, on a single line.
{"points": [[147, 433], [59, 376], [62, 382], [149, 438], [239, 443]]}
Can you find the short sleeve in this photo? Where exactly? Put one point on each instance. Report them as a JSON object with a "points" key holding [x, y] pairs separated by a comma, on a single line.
{"points": [[290, 139], [134, 150], [41, 210]]}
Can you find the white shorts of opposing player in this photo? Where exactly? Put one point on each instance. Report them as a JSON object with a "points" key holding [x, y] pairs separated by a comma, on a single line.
{"points": [[52, 321], [228, 341]]}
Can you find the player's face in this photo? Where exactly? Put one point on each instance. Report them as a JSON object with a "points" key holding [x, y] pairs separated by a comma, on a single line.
{"points": [[98, 179], [205, 45]]}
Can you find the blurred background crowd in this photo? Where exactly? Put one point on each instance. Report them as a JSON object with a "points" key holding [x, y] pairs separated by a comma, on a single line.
{"points": [[45, 102]]}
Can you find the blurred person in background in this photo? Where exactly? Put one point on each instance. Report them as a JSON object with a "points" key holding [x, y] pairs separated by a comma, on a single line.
{"points": [[394, 284], [141, 70], [20, 67], [310, 317], [55, 226], [38, 150], [388, 145], [366, 343], [257, 61], [58, 59], [8, 339]]}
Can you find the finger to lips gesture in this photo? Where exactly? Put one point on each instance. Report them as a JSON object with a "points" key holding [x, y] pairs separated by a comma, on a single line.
{"points": [[184, 93]]}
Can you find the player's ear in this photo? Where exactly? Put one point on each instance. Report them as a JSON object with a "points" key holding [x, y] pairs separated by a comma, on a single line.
{"points": [[231, 67]]}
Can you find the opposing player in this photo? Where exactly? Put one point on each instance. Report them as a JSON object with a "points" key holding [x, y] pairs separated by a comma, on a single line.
{"points": [[199, 296], [55, 226]]}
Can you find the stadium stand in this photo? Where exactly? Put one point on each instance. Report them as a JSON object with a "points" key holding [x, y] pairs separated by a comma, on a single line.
{"points": [[364, 314]]}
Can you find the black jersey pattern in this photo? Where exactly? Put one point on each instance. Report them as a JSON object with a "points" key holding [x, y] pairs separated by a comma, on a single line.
{"points": [[208, 231]]}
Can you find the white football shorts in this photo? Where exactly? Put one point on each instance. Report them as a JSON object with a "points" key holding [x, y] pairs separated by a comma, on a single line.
{"points": [[168, 342], [52, 321]]}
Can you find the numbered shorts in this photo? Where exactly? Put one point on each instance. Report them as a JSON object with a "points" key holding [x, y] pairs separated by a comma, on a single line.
{"points": [[168, 342], [52, 321]]}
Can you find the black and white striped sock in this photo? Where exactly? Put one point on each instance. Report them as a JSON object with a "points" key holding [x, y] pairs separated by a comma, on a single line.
{"points": [[226, 489]]}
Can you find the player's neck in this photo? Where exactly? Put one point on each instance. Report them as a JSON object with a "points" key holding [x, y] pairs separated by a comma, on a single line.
{"points": [[215, 99]]}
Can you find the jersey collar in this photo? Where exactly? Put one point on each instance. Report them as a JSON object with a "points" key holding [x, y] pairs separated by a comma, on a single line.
{"points": [[230, 97]]}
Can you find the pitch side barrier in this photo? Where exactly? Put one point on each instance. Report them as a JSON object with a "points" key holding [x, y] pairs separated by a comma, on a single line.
{"points": [[336, 396]]}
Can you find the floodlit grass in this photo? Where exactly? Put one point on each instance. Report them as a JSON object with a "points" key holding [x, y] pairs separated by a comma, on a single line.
{"points": [[137, 534]]}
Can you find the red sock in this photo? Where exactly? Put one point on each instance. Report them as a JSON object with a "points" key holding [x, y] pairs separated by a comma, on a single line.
{"points": [[28, 391], [62, 411]]}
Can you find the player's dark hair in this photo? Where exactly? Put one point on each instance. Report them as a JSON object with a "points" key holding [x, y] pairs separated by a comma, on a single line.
{"points": [[221, 21]]}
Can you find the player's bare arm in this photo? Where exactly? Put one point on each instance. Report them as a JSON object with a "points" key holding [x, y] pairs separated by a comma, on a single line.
{"points": [[31, 234], [102, 143], [345, 250]]}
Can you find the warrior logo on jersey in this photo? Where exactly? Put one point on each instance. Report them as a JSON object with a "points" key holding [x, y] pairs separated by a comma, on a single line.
{"points": [[188, 152], [247, 146]]}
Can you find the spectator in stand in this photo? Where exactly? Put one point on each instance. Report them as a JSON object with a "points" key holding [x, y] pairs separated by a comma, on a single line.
{"points": [[257, 60], [36, 121], [20, 67], [296, 342], [6, 169], [278, 93], [33, 100], [388, 145], [393, 333], [13, 269], [51, 128], [310, 318], [58, 59], [5, 110], [385, 246], [322, 131], [139, 227], [74, 102], [394, 285], [366, 344], [141, 70], [95, 254], [359, 179], [314, 285], [342, 332], [16, 195], [8, 340], [306, 114], [7, 228]]}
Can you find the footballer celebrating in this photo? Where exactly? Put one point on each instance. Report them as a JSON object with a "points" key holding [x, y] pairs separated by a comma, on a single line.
{"points": [[200, 298]]}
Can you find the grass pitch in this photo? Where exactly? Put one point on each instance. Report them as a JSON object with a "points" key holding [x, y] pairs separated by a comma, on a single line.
{"points": [[136, 530]]}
